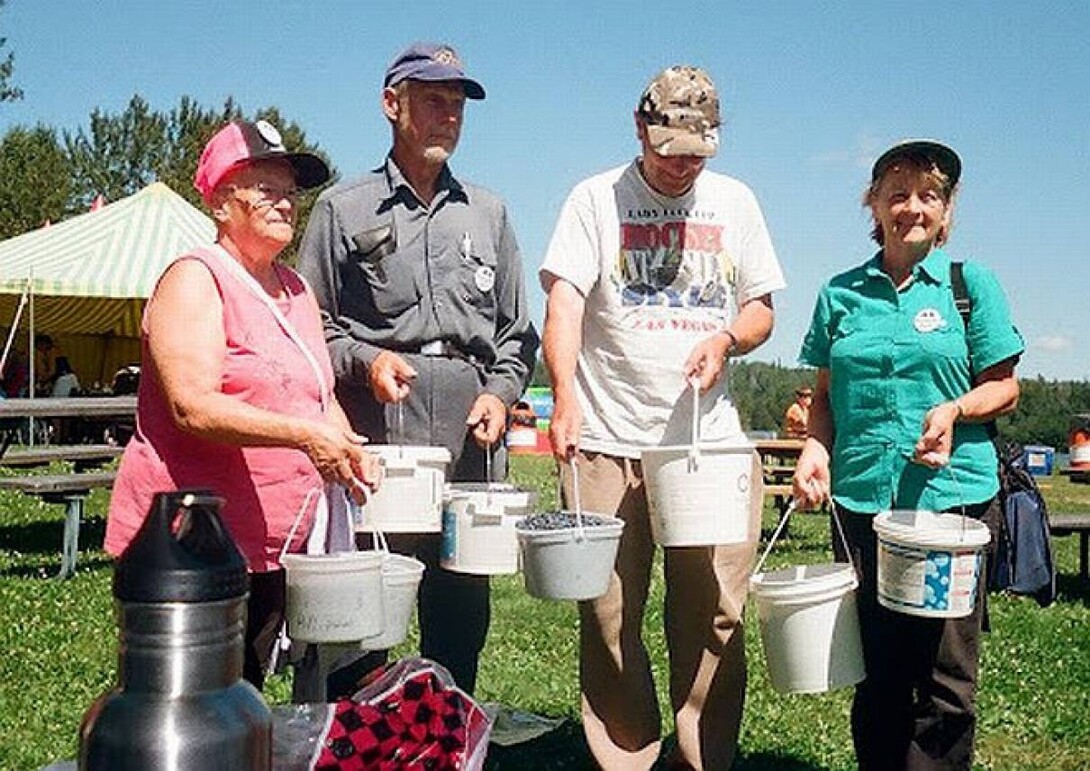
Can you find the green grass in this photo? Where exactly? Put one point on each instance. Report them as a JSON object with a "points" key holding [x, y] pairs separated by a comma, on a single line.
{"points": [[59, 653]]}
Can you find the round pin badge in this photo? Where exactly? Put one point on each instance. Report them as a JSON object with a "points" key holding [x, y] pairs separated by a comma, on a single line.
{"points": [[484, 278], [928, 320], [268, 132]]}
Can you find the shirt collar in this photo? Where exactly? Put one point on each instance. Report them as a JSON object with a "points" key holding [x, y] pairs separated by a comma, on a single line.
{"points": [[447, 187], [934, 268]]}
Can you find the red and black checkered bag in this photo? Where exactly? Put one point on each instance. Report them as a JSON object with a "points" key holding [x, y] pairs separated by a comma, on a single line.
{"points": [[411, 718]]}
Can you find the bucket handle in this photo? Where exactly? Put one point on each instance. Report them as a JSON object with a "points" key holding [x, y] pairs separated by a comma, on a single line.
{"points": [[573, 469], [694, 448], [792, 506], [957, 485], [282, 633]]}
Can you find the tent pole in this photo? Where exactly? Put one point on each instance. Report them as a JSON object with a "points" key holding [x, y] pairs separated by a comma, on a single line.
{"points": [[33, 355], [14, 327]]}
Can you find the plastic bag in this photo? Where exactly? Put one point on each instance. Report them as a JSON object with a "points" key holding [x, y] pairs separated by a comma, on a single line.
{"points": [[297, 735], [412, 716]]}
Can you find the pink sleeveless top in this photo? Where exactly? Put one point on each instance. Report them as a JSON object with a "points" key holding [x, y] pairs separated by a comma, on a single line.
{"points": [[264, 487]]}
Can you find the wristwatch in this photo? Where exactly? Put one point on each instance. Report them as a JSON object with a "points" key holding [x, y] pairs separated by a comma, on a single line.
{"points": [[733, 346]]}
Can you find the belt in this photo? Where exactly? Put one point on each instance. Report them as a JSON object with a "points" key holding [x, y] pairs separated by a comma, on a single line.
{"points": [[447, 350]]}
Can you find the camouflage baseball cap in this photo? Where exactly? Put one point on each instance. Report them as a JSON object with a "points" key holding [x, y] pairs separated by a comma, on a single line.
{"points": [[681, 110]]}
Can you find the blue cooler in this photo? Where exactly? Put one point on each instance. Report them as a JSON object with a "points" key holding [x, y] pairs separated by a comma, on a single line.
{"points": [[1039, 459]]}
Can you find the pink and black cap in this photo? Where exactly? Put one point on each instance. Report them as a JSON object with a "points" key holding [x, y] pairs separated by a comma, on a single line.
{"points": [[242, 142], [431, 62]]}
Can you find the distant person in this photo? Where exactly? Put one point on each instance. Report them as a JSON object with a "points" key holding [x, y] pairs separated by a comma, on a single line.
{"points": [[65, 382], [657, 273], [46, 353], [904, 389], [420, 280], [16, 374], [798, 413], [237, 394]]}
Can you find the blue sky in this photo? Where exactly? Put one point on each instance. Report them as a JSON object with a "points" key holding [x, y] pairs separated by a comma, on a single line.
{"points": [[811, 93]]}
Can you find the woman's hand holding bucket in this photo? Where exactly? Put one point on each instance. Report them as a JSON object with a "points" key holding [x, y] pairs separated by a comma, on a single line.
{"points": [[811, 484], [937, 439]]}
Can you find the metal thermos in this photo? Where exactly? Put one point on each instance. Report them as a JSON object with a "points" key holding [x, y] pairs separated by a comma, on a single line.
{"points": [[181, 703]]}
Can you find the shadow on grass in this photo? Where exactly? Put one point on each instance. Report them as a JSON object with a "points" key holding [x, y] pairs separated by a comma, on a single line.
{"points": [[39, 545], [1072, 588], [565, 749]]}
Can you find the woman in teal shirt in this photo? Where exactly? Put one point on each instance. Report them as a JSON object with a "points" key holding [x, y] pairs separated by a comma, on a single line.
{"points": [[904, 388]]}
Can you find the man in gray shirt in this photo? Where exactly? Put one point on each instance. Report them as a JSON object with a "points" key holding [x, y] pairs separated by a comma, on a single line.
{"points": [[420, 282]]}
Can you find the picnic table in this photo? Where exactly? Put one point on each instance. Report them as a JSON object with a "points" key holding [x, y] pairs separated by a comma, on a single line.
{"points": [[778, 459], [1077, 475], [83, 456], [1071, 524], [70, 490], [81, 408]]}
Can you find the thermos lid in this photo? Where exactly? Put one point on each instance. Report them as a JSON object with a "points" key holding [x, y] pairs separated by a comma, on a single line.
{"points": [[182, 553]]}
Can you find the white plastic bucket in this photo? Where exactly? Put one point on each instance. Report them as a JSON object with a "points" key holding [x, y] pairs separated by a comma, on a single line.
{"points": [[569, 564], [929, 564], [699, 498], [334, 597], [810, 627], [400, 580], [410, 497], [479, 527]]}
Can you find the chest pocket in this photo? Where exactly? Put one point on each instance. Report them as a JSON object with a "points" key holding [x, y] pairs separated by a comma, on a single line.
{"points": [[477, 279], [947, 342], [387, 275]]}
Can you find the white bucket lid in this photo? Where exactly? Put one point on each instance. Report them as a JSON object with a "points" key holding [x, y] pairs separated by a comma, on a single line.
{"points": [[804, 580], [926, 528], [410, 453], [705, 448], [500, 493]]}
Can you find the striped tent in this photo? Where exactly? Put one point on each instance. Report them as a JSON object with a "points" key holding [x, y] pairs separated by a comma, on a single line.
{"points": [[90, 276]]}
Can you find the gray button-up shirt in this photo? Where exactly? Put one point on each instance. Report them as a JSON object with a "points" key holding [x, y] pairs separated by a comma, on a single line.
{"points": [[392, 273]]}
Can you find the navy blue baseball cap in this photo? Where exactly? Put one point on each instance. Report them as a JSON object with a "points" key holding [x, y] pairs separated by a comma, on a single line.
{"points": [[432, 62]]}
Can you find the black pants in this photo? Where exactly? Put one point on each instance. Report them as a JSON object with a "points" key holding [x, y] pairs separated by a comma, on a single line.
{"points": [[916, 709], [453, 608], [453, 612], [264, 617]]}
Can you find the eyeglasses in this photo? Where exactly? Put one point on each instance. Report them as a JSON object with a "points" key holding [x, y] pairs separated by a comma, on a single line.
{"points": [[271, 195]]}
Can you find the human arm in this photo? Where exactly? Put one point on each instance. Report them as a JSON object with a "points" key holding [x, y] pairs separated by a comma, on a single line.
{"points": [[995, 347], [187, 344], [750, 329], [994, 393], [515, 341], [323, 252], [812, 481], [563, 338]]}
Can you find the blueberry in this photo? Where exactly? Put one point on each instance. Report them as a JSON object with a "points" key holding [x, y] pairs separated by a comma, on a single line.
{"points": [[559, 520]]}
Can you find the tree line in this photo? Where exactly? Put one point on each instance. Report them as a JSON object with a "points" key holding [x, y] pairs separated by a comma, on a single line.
{"points": [[762, 392], [49, 174]]}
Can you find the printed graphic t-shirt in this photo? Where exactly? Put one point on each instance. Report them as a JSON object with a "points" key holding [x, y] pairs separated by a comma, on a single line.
{"points": [[659, 275]]}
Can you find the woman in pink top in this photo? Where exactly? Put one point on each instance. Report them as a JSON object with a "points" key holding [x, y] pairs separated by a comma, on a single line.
{"points": [[237, 389]]}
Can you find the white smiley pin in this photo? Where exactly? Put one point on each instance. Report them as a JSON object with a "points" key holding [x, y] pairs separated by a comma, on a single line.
{"points": [[484, 278], [928, 320]]}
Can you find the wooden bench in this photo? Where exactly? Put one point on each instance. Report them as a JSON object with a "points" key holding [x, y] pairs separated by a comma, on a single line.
{"points": [[83, 456], [1077, 475], [69, 489], [1071, 524]]}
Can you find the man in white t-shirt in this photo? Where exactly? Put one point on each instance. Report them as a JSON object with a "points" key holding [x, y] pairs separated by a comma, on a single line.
{"points": [[657, 272]]}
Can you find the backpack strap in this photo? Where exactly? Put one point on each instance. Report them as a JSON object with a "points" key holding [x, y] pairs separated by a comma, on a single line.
{"points": [[962, 301]]}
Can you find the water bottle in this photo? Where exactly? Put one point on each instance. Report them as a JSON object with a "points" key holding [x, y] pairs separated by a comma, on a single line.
{"points": [[181, 703]]}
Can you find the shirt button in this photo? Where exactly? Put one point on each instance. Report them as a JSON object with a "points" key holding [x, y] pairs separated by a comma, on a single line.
{"points": [[467, 297]]}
